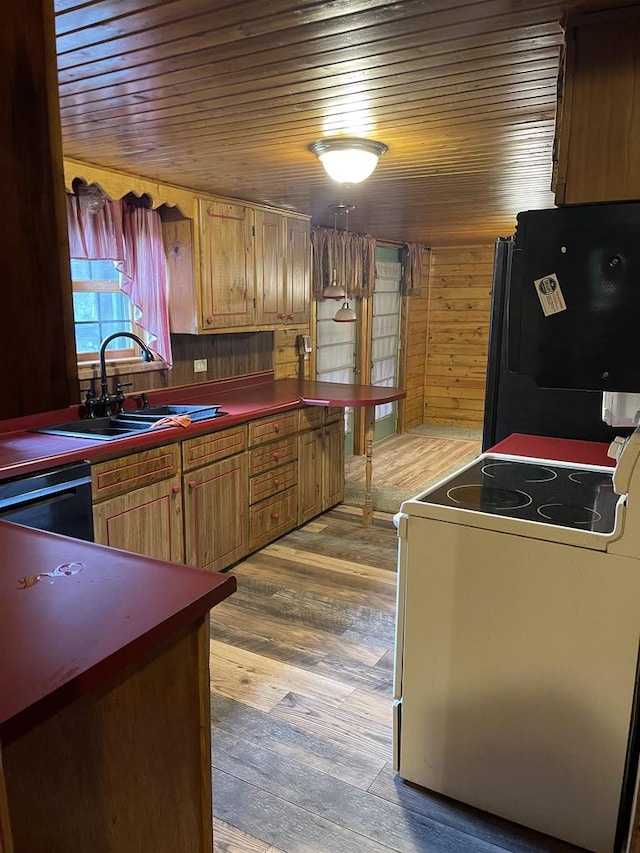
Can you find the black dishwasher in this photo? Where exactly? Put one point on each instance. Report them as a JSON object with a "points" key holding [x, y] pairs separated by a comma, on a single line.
{"points": [[58, 499]]}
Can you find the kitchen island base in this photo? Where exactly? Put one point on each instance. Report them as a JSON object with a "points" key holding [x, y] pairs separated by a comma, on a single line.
{"points": [[126, 767]]}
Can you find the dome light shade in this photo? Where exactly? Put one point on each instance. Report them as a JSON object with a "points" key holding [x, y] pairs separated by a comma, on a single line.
{"points": [[345, 314], [334, 290], [348, 159]]}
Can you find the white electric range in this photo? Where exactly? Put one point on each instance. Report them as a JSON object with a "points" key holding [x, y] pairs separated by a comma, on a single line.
{"points": [[517, 642]]}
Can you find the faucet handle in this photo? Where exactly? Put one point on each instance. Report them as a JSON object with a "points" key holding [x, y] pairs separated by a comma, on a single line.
{"points": [[88, 408]]}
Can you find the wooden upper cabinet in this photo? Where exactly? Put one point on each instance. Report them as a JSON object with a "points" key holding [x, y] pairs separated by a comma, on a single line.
{"points": [[227, 265], [283, 269], [597, 154], [270, 269], [298, 270]]}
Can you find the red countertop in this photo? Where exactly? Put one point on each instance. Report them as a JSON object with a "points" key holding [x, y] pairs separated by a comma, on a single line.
{"points": [[65, 635], [246, 398], [560, 449]]}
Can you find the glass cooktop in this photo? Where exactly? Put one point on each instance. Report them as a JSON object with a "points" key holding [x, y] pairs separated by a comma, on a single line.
{"points": [[533, 491]]}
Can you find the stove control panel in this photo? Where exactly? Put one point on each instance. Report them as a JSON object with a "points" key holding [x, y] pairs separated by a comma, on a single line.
{"points": [[626, 451]]}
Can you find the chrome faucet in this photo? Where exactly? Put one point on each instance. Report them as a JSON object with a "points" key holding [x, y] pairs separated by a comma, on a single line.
{"points": [[102, 405]]}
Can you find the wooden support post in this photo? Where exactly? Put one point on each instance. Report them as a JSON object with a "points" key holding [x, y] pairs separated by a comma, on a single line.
{"points": [[370, 422]]}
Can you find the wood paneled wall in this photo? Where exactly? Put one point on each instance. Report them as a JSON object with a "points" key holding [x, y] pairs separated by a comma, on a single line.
{"points": [[459, 294], [227, 356], [287, 362], [414, 327]]}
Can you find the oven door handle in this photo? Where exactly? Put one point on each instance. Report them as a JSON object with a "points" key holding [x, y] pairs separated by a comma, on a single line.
{"points": [[42, 495]]}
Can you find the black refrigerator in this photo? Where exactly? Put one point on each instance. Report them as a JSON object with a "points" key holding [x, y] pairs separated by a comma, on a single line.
{"points": [[513, 401]]}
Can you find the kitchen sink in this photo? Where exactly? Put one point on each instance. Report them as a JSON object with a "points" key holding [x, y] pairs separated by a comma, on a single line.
{"points": [[101, 429], [129, 423], [154, 413]]}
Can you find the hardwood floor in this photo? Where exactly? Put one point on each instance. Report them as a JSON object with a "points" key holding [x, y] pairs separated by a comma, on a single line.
{"points": [[409, 461], [301, 663]]}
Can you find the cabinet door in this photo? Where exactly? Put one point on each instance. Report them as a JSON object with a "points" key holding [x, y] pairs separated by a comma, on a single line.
{"points": [[215, 513], [146, 521], [598, 157], [298, 271], [309, 475], [270, 295], [227, 284], [333, 465]]}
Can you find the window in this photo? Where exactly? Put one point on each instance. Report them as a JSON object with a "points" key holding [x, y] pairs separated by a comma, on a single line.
{"points": [[100, 308]]}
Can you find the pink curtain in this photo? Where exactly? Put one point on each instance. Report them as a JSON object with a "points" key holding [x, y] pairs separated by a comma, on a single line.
{"points": [[144, 276], [132, 235], [95, 236]]}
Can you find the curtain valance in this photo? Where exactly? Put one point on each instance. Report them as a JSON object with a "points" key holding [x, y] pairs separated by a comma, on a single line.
{"points": [[412, 268], [350, 256]]}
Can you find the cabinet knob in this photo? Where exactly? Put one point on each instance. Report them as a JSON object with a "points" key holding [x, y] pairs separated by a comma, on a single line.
{"points": [[276, 455], [175, 490], [276, 481], [276, 427], [280, 316], [275, 516], [209, 320], [192, 484], [289, 316]]}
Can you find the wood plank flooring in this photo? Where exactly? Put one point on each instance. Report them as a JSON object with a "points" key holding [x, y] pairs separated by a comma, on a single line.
{"points": [[301, 667], [409, 461]]}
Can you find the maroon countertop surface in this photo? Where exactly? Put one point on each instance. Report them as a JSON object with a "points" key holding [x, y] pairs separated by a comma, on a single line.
{"points": [[63, 632], [64, 635], [23, 452], [560, 449]]}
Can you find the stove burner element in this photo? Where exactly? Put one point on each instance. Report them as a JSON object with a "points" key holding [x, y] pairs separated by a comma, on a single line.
{"points": [[520, 470], [592, 478], [488, 497], [569, 516]]}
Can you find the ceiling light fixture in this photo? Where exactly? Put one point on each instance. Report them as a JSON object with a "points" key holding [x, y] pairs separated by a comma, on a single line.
{"points": [[348, 159]]}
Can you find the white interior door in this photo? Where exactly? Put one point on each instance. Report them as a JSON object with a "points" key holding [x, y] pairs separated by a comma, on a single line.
{"points": [[385, 340], [335, 352]]}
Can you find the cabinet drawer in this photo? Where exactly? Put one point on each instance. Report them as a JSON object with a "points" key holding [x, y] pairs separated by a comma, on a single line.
{"points": [[119, 476], [273, 455], [275, 426], [270, 483], [311, 417], [273, 517], [213, 446]]}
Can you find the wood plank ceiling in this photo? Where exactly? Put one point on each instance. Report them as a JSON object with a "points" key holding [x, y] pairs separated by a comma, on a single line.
{"points": [[225, 96]]}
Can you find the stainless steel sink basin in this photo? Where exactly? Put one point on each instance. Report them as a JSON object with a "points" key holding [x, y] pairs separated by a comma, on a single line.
{"points": [[100, 429], [129, 423], [153, 413]]}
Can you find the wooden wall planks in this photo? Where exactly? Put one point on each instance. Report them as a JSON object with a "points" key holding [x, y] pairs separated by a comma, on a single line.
{"points": [[458, 332], [414, 327], [229, 355]]}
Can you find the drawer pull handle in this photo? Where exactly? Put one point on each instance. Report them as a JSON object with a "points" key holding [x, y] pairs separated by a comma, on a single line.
{"points": [[192, 484], [175, 490], [280, 316], [276, 427], [276, 455], [275, 516], [277, 481]]}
